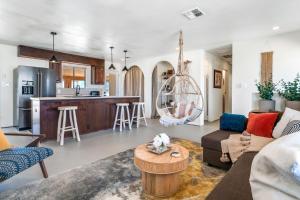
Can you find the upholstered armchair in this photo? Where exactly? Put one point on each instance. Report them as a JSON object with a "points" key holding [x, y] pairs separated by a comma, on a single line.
{"points": [[18, 159]]}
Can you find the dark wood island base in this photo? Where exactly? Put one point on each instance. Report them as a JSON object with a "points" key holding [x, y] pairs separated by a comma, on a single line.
{"points": [[93, 113]]}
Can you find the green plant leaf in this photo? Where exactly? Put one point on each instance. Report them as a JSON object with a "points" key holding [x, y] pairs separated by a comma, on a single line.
{"points": [[266, 89], [290, 90]]}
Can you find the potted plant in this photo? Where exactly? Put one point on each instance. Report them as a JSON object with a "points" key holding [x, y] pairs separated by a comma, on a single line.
{"points": [[291, 92], [266, 92]]}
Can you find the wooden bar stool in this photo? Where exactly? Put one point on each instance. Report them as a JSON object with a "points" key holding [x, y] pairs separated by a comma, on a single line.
{"points": [[120, 118], [138, 113], [61, 126]]}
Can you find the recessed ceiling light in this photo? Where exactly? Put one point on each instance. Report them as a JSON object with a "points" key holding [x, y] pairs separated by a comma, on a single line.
{"points": [[275, 28]]}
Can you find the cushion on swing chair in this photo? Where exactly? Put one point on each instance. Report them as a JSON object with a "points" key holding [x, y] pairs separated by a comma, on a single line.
{"points": [[183, 109], [167, 120], [189, 108], [180, 110]]}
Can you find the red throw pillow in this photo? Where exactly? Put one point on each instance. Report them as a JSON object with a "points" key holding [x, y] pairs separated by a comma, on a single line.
{"points": [[261, 124]]}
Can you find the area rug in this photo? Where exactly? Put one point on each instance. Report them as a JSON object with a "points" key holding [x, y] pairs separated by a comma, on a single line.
{"points": [[116, 178]]}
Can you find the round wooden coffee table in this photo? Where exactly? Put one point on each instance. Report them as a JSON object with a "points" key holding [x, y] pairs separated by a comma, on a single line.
{"points": [[160, 172]]}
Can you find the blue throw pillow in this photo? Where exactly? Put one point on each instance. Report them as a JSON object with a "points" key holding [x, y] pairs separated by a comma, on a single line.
{"points": [[233, 122]]}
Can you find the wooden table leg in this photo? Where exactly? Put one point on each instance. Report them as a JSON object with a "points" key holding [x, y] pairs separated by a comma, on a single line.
{"points": [[160, 185], [43, 168]]}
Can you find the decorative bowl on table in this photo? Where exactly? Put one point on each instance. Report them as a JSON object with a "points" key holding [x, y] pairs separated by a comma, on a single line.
{"points": [[160, 144], [158, 150]]}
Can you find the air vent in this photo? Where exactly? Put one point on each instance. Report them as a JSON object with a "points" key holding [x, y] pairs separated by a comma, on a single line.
{"points": [[193, 13]]}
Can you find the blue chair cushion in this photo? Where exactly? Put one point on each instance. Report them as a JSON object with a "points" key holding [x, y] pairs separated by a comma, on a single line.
{"points": [[233, 122], [16, 160]]}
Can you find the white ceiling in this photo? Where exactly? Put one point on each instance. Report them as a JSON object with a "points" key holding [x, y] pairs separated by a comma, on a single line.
{"points": [[144, 27], [224, 52]]}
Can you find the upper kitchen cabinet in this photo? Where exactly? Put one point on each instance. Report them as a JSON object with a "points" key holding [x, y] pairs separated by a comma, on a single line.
{"points": [[97, 75], [57, 67]]}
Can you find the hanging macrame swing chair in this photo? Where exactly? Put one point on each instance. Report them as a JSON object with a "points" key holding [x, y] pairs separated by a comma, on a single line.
{"points": [[188, 99]]}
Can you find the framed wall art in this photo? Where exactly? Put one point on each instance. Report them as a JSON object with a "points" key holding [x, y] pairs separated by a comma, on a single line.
{"points": [[218, 79]]}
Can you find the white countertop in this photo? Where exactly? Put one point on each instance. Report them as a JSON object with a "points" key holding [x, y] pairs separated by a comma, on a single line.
{"points": [[79, 97]]}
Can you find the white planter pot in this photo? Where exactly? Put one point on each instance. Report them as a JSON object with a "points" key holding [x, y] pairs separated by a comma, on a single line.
{"points": [[293, 105], [266, 105]]}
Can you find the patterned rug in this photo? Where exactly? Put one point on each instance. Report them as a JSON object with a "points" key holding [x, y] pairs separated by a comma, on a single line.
{"points": [[116, 178]]}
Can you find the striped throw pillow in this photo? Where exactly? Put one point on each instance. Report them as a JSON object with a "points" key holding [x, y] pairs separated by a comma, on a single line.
{"points": [[292, 127]]}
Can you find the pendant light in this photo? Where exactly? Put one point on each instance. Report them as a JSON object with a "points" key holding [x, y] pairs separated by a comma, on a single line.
{"points": [[53, 59], [125, 67], [111, 67]]}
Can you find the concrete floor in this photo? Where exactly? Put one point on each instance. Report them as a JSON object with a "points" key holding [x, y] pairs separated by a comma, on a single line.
{"points": [[98, 145]]}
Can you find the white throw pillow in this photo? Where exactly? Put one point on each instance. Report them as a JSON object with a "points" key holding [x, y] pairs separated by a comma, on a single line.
{"points": [[288, 115], [273, 170]]}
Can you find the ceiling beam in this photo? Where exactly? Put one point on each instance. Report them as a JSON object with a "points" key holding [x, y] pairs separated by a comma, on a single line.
{"points": [[43, 54]]}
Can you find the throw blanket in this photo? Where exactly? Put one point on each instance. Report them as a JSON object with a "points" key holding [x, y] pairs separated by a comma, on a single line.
{"points": [[237, 144], [275, 170]]}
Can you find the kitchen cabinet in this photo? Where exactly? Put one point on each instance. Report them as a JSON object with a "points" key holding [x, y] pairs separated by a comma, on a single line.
{"points": [[57, 67], [97, 75]]}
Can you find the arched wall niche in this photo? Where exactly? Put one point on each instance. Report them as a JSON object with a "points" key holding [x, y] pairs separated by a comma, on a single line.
{"points": [[161, 72]]}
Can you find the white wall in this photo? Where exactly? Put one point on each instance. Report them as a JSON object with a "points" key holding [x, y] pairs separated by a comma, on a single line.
{"points": [[118, 74], [215, 95], [9, 61], [196, 71], [246, 67]]}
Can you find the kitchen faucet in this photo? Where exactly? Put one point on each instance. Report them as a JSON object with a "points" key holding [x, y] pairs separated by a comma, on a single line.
{"points": [[77, 90]]}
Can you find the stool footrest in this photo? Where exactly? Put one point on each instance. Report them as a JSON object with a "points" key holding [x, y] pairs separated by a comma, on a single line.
{"points": [[126, 120], [139, 117], [70, 129]]}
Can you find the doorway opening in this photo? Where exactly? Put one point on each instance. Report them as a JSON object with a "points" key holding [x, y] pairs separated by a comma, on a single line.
{"points": [[218, 79]]}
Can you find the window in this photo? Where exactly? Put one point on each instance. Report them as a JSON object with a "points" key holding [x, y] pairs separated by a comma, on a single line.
{"points": [[73, 76]]}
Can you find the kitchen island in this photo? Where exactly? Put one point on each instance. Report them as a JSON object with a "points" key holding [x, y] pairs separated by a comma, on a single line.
{"points": [[93, 113]]}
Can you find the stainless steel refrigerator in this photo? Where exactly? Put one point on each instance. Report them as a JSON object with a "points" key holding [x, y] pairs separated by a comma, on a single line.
{"points": [[30, 82]]}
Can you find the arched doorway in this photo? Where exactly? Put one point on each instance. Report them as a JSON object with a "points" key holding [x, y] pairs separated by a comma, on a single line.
{"points": [[162, 71], [134, 82]]}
